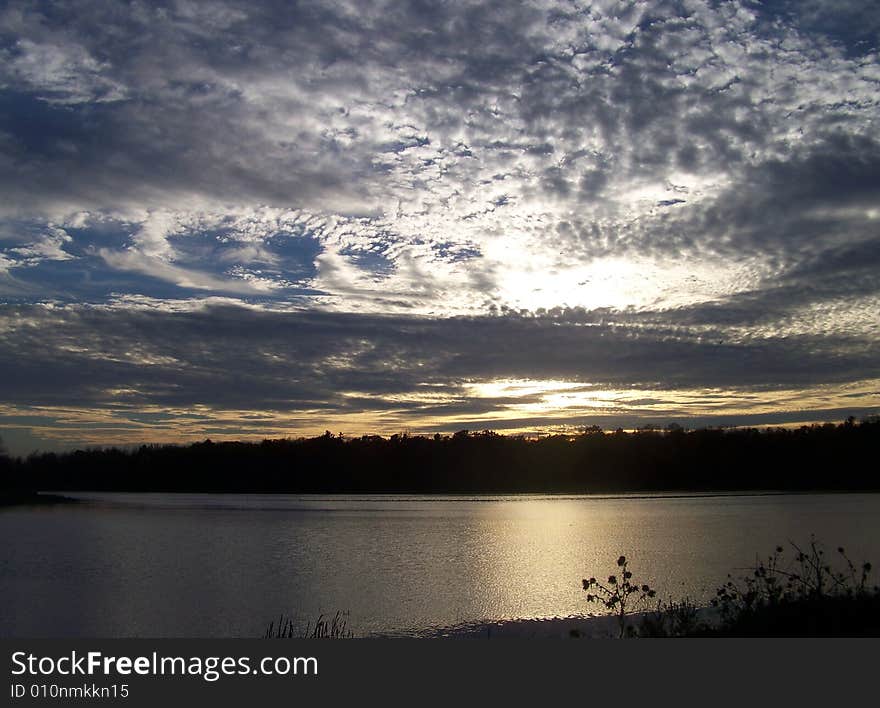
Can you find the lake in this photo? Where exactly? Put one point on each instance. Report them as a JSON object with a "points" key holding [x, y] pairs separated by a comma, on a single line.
{"points": [[207, 565]]}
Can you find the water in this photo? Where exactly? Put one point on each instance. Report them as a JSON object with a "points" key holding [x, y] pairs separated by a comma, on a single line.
{"points": [[199, 565]]}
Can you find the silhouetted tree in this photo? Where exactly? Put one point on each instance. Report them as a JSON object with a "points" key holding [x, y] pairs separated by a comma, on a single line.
{"points": [[829, 457]]}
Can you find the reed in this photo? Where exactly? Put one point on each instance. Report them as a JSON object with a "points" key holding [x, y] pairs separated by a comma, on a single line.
{"points": [[324, 627]]}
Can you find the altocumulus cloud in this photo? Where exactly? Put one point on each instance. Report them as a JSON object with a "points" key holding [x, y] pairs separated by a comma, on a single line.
{"points": [[258, 218]]}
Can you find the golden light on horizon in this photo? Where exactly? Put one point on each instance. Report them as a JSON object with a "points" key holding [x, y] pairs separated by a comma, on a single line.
{"points": [[504, 404]]}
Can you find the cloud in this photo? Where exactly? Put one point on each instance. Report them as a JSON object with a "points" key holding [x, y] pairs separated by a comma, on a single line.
{"points": [[660, 194], [234, 357], [62, 74], [48, 247], [122, 376], [182, 277]]}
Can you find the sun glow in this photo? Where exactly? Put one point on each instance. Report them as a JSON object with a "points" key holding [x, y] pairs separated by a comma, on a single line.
{"points": [[544, 281], [518, 388]]}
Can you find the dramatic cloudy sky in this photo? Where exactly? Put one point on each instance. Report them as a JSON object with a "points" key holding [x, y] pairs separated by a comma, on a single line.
{"points": [[256, 219]]}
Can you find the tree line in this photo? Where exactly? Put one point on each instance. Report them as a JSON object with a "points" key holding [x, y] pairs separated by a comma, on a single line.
{"points": [[816, 457]]}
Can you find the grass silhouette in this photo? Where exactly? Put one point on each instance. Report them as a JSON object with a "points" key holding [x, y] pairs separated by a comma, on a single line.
{"points": [[324, 627]]}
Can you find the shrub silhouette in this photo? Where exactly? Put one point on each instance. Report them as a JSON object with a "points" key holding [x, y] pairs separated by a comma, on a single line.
{"points": [[620, 594], [803, 595]]}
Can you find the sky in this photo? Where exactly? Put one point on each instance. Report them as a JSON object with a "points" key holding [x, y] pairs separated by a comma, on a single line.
{"points": [[247, 220]]}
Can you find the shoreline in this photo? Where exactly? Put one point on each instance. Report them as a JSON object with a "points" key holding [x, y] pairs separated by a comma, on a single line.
{"points": [[568, 627], [13, 499]]}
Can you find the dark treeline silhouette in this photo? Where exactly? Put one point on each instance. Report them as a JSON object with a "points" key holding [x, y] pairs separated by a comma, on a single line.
{"points": [[831, 457]]}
